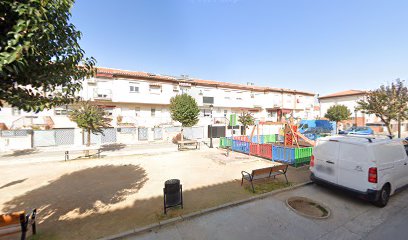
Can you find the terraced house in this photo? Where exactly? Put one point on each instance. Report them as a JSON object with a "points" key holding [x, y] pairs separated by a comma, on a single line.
{"points": [[140, 99]]}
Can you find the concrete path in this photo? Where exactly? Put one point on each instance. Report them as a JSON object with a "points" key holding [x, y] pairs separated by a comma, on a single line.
{"points": [[270, 218], [50, 154]]}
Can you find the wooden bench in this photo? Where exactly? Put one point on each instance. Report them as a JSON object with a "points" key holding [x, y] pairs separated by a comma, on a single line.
{"points": [[96, 148], [263, 173], [183, 144], [16, 222]]}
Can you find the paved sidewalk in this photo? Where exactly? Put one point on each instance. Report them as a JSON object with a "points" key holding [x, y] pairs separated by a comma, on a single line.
{"points": [[269, 218], [50, 154]]}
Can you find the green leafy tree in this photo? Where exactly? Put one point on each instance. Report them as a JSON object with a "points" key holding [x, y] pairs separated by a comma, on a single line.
{"points": [[40, 57], [388, 102], [91, 118], [338, 113], [184, 109], [246, 119]]}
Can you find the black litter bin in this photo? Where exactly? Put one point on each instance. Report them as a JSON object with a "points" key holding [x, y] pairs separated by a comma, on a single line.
{"points": [[173, 194]]}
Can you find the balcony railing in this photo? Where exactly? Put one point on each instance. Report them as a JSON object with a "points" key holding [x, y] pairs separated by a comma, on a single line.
{"points": [[102, 94]]}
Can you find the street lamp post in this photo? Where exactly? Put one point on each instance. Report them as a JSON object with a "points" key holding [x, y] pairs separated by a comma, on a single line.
{"points": [[211, 109]]}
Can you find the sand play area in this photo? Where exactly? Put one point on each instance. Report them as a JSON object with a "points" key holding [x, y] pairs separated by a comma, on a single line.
{"points": [[92, 198]]}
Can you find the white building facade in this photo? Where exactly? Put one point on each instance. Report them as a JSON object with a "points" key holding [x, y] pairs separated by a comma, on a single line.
{"points": [[142, 100], [349, 99]]}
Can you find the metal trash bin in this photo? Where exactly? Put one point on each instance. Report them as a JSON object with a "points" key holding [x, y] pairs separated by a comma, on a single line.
{"points": [[173, 194]]}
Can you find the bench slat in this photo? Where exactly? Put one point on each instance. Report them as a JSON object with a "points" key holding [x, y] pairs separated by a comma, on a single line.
{"points": [[11, 229], [279, 167], [261, 171]]}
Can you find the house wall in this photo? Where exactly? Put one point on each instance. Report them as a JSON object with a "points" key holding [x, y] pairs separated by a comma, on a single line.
{"points": [[351, 103], [148, 106]]}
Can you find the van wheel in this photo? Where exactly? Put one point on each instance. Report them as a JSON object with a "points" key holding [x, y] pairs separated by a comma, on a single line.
{"points": [[384, 196]]}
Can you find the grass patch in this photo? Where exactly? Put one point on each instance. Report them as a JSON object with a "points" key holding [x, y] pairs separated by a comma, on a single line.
{"points": [[264, 186]]}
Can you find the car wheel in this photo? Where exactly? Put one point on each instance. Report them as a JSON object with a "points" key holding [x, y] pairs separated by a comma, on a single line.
{"points": [[384, 196]]}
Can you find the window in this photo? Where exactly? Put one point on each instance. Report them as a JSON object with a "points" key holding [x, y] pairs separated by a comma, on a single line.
{"points": [[271, 114], [155, 89], [153, 112], [225, 113], [137, 111], [206, 112], [238, 98], [108, 110], [133, 88], [61, 111], [209, 100], [185, 89], [227, 97], [15, 111], [175, 88]]}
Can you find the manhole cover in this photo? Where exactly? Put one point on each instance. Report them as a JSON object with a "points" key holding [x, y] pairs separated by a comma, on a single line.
{"points": [[307, 207]]}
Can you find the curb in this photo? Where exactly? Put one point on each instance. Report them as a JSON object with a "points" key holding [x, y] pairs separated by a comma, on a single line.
{"points": [[168, 222]]}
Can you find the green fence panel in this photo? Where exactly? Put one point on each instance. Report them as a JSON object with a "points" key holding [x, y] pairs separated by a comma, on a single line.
{"points": [[271, 138], [225, 142], [228, 142], [302, 156], [222, 142]]}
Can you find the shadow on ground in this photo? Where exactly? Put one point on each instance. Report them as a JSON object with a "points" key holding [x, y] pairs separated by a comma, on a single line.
{"points": [[110, 184], [23, 152], [113, 147], [82, 191], [13, 183]]}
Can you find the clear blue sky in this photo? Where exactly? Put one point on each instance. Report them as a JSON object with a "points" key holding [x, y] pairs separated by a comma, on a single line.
{"points": [[321, 46]]}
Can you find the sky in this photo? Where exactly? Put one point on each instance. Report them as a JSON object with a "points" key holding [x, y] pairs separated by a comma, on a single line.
{"points": [[319, 46]]}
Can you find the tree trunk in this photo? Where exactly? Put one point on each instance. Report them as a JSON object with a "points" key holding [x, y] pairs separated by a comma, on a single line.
{"points": [[88, 142], [399, 127], [388, 128], [337, 127], [244, 130], [182, 138]]}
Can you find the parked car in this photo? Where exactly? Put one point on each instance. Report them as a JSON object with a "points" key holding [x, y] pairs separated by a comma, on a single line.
{"points": [[306, 126], [358, 131], [372, 168]]}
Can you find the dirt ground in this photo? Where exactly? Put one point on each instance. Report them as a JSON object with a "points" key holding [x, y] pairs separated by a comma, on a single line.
{"points": [[92, 198]]}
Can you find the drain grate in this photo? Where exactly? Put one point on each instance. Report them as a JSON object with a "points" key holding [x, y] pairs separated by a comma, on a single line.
{"points": [[308, 208]]}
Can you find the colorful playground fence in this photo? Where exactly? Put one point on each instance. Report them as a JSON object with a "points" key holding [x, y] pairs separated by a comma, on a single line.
{"points": [[240, 146], [227, 141], [293, 156], [289, 155], [265, 150], [254, 149]]}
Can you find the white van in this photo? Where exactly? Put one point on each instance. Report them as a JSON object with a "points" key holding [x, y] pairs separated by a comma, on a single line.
{"points": [[374, 168]]}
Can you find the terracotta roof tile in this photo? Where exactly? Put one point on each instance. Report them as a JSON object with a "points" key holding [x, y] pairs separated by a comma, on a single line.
{"points": [[344, 93], [111, 73]]}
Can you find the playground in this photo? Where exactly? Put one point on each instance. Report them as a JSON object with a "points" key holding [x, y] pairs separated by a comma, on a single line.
{"points": [[277, 142]]}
